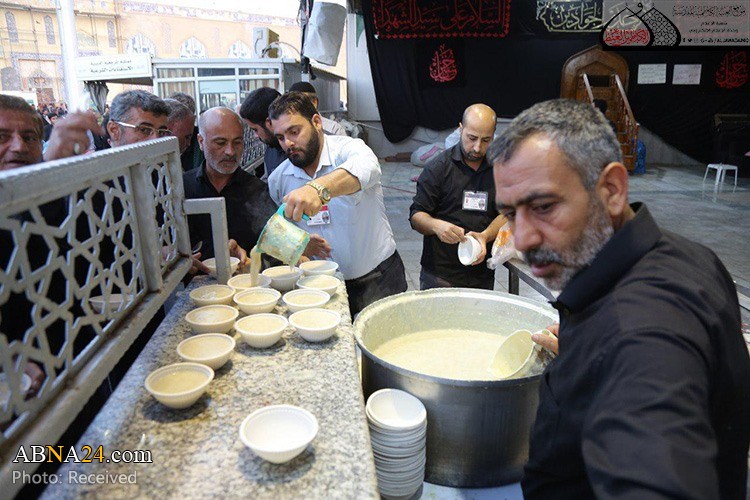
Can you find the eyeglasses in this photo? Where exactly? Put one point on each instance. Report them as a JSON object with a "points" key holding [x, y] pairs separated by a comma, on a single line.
{"points": [[147, 131]]}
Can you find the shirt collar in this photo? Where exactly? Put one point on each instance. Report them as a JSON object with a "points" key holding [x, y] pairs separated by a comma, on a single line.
{"points": [[458, 158], [626, 247]]}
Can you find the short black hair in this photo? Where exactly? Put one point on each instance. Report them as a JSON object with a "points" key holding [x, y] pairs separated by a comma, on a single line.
{"points": [[14, 103], [303, 87], [292, 102], [255, 106], [125, 101]]}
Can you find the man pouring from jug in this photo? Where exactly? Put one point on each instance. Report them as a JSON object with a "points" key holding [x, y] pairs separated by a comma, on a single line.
{"points": [[336, 181]]}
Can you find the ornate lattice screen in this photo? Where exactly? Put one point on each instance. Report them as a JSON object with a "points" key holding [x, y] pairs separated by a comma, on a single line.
{"points": [[89, 250]]}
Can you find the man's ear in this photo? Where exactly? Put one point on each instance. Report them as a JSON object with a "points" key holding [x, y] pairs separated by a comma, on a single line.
{"points": [[268, 126], [317, 121], [612, 188], [200, 142], [114, 131]]}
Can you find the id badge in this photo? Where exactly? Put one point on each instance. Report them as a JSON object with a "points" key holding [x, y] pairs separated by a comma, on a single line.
{"points": [[321, 218], [475, 200]]}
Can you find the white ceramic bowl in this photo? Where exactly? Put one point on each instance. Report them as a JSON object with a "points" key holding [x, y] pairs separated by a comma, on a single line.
{"points": [[314, 267], [210, 349], [115, 302], [179, 385], [315, 325], [328, 284], [278, 433], [298, 300], [282, 279], [261, 330], [257, 300], [234, 263], [212, 319], [395, 410], [211, 295], [242, 282]]}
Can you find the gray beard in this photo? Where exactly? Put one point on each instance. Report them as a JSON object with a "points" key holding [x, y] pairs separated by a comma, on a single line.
{"points": [[225, 171], [582, 253]]}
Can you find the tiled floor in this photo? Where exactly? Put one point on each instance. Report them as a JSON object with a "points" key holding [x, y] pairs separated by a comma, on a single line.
{"points": [[677, 198]]}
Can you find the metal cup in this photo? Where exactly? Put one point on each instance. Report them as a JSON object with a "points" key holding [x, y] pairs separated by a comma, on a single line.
{"points": [[282, 239]]}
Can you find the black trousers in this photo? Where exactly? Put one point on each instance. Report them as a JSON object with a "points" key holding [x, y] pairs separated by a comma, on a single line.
{"points": [[389, 278]]}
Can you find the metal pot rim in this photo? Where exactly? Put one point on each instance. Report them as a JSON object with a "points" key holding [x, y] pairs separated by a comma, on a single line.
{"points": [[464, 292]]}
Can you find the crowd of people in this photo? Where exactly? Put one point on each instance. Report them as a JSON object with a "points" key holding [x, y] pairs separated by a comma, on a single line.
{"points": [[650, 393]]}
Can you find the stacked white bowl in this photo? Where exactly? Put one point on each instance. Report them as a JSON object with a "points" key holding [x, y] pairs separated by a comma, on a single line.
{"points": [[398, 430]]}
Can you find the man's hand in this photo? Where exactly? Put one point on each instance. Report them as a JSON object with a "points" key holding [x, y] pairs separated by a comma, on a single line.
{"points": [[317, 247], [70, 135], [549, 342], [235, 250], [37, 378], [482, 245], [304, 200], [198, 265], [448, 233]]}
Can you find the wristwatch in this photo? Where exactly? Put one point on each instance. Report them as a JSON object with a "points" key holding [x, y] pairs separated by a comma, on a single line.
{"points": [[323, 193]]}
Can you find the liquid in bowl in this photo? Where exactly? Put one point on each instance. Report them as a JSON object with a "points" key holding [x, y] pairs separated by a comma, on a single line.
{"points": [[176, 383]]}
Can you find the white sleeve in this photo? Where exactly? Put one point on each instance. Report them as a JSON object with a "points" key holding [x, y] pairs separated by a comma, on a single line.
{"points": [[357, 158], [275, 189]]}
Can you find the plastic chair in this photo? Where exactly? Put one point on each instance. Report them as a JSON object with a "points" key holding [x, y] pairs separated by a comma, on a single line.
{"points": [[721, 172]]}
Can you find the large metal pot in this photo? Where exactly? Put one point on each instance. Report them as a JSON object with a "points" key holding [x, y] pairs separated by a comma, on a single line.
{"points": [[477, 431]]}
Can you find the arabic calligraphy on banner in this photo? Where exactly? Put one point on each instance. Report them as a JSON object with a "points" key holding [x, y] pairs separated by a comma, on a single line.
{"points": [[443, 66], [570, 16], [441, 18], [440, 63], [675, 23], [732, 72]]}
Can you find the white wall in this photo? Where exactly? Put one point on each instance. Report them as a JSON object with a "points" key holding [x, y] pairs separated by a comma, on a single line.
{"points": [[360, 91]]}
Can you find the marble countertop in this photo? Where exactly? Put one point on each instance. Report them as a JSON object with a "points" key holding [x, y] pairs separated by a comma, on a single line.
{"points": [[197, 451]]}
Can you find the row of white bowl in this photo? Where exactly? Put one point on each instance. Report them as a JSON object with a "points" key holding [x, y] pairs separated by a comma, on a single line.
{"points": [[261, 329], [283, 274], [204, 296], [398, 432]]}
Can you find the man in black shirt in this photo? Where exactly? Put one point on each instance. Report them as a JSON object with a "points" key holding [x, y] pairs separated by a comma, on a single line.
{"points": [[248, 203], [254, 111], [650, 394], [456, 198]]}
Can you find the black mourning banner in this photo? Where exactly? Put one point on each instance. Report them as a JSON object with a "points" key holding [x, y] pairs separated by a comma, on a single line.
{"points": [[401, 19]]}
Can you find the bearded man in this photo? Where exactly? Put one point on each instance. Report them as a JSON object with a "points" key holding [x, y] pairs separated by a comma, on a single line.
{"points": [[254, 111], [649, 396], [456, 198], [336, 180]]}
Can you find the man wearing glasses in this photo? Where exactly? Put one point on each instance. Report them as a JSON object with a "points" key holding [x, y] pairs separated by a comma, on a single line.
{"points": [[137, 116]]}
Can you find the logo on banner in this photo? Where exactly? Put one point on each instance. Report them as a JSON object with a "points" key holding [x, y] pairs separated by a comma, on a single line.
{"points": [[732, 72], [443, 66], [670, 24]]}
